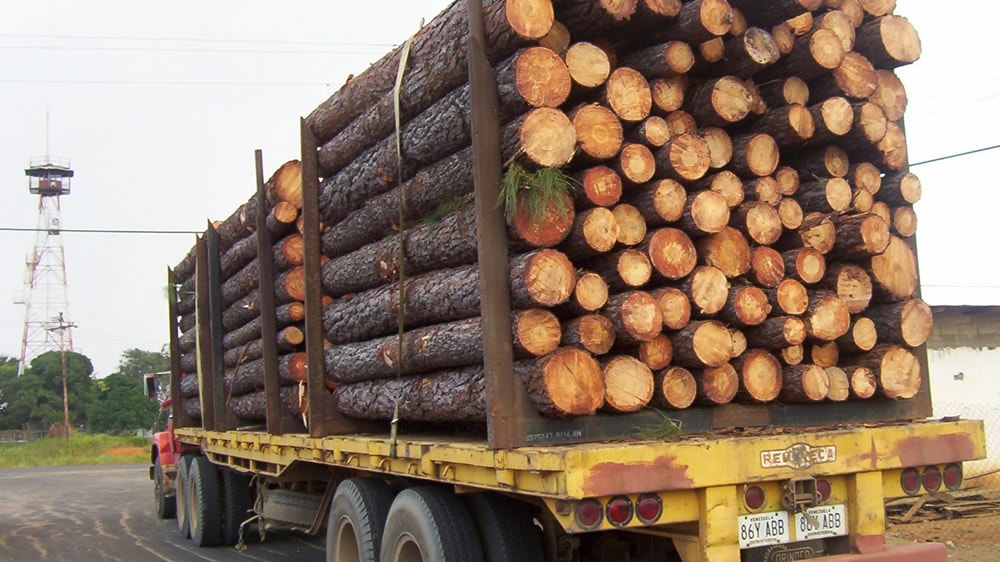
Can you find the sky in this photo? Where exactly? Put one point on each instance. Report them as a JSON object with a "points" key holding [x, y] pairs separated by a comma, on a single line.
{"points": [[160, 107]]}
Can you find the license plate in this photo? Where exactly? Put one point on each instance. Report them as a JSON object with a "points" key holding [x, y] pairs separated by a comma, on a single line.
{"points": [[823, 521], [762, 529]]}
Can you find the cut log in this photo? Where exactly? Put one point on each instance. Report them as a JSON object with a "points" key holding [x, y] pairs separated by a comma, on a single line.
{"points": [[789, 125], [784, 38], [789, 297], [684, 158], [747, 54], [840, 385], [905, 323], [815, 54], [759, 221], [635, 315], [711, 51], [628, 384], [716, 385], [557, 39], [851, 283], [588, 65], [754, 154], [720, 147], [888, 41], [805, 264], [804, 383], [681, 122], [894, 272], [289, 338], [595, 19], [567, 382], [860, 338], [760, 376], [627, 93], [788, 180], [777, 332], [656, 353], [764, 189], [671, 252], [249, 377], [904, 221], [854, 78], [784, 91], [897, 371], [720, 102], [790, 213], [833, 117], [767, 267], [654, 131], [675, 388], [866, 176], [699, 21], [623, 270], [595, 231], [770, 12], [635, 163], [705, 212], [702, 343], [828, 195], [668, 59], [870, 127], [450, 396], [739, 343], [706, 290], [827, 317], [889, 94], [631, 225], [291, 313], [745, 306], [851, 8], [839, 23], [862, 380], [253, 406], [901, 188], [824, 354], [675, 307], [527, 226], [862, 202], [727, 250], [892, 148], [793, 355], [739, 25], [669, 93], [589, 295], [598, 186], [726, 184], [659, 202], [591, 332], [817, 231], [598, 131]]}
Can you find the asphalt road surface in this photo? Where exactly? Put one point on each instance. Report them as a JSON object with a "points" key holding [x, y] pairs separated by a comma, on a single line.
{"points": [[106, 513]]}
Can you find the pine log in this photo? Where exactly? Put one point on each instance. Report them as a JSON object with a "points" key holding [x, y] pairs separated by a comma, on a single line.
{"points": [[804, 383], [788, 180], [904, 221], [851, 8], [289, 338], [900, 188], [759, 221], [669, 93], [702, 343], [767, 267], [285, 315], [527, 226], [659, 202], [841, 24], [668, 59], [590, 293], [706, 289], [681, 122], [862, 202], [866, 176], [635, 163], [588, 64], [745, 306], [253, 406], [716, 385], [824, 354], [727, 250], [906, 323], [815, 54], [840, 385], [685, 158], [289, 286], [777, 332], [631, 225], [888, 41], [675, 307], [567, 382], [739, 342], [789, 297], [654, 131], [870, 127], [827, 317], [764, 189], [457, 395], [860, 338], [894, 272], [698, 21], [623, 269], [726, 184], [760, 376], [770, 12], [743, 55], [889, 94], [598, 186], [833, 117], [851, 283], [862, 380], [790, 213], [789, 125], [832, 195], [658, 11], [784, 91], [854, 78], [675, 388], [720, 147], [720, 102], [591, 332], [557, 39], [671, 252], [541, 278], [656, 353], [897, 371], [817, 231], [754, 154], [595, 231], [739, 25], [628, 384], [249, 377], [598, 131], [627, 93], [891, 150], [595, 19], [635, 315], [805, 264], [880, 209], [793, 355], [705, 212]]}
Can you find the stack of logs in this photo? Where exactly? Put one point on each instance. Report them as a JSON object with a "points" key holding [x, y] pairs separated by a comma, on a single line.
{"points": [[738, 232]]}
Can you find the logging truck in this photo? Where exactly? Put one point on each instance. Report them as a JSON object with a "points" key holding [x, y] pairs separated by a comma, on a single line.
{"points": [[418, 340]]}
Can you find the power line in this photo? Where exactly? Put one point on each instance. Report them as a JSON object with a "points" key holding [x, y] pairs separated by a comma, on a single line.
{"points": [[99, 230], [950, 156]]}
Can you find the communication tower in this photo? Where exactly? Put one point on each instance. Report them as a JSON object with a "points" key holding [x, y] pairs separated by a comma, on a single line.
{"points": [[45, 298]]}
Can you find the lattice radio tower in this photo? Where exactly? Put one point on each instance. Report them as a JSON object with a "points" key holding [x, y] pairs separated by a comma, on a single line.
{"points": [[46, 314]]}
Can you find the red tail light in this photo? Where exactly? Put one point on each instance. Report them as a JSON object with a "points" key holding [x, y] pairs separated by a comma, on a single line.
{"points": [[823, 489], [932, 479], [909, 480], [953, 476], [619, 511], [589, 514], [649, 508], [754, 497]]}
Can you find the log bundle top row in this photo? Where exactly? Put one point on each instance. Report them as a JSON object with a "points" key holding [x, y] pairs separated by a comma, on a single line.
{"points": [[738, 229]]}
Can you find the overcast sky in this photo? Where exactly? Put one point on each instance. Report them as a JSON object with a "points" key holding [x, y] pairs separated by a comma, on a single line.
{"points": [[161, 105]]}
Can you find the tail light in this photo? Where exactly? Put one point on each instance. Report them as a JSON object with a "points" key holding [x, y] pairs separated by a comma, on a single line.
{"points": [[619, 511], [589, 514], [909, 480], [823, 489], [649, 508], [754, 497], [953, 476], [932, 479]]}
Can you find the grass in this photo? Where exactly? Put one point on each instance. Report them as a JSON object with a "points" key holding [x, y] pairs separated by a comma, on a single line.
{"points": [[536, 189], [82, 449]]}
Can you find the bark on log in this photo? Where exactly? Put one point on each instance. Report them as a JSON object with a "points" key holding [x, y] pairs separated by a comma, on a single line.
{"points": [[567, 382], [668, 59], [831, 195], [675, 388], [590, 332], [599, 186], [674, 306], [815, 54], [253, 406], [827, 317], [624, 269], [706, 289], [888, 41], [767, 267], [684, 158], [777, 332], [716, 385], [594, 232], [804, 383], [860, 338], [833, 118], [654, 131], [720, 102], [635, 315], [659, 202], [897, 371], [906, 323], [746, 55], [289, 339], [759, 375], [851, 283], [785, 91], [901, 188], [789, 297], [728, 250], [628, 384], [805, 264], [702, 343], [457, 395], [594, 19], [699, 21], [754, 155], [789, 125], [817, 232], [745, 306], [249, 377], [770, 12], [894, 272]]}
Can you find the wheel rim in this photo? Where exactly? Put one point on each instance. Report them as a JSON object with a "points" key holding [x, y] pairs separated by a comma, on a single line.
{"points": [[158, 483], [347, 542], [193, 515], [407, 549]]}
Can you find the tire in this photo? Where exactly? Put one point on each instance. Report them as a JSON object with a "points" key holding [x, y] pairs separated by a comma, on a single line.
{"points": [[357, 518], [182, 495], [235, 504], [166, 506], [205, 503], [505, 528], [429, 524]]}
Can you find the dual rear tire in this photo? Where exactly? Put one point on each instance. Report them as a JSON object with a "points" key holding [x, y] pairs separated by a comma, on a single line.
{"points": [[211, 503]]}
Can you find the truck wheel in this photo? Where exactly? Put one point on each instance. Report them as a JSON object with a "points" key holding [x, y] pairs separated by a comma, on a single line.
{"points": [[182, 495], [235, 504], [205, 503], [357, 517], [505, 528], [428, 524], [166, 506]]}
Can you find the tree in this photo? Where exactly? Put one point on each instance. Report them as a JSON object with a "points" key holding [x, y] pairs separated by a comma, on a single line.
{"points": [[135, 363], [47, 367], [119, 405]]}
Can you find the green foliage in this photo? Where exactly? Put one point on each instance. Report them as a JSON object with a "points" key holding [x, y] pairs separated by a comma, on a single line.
{"points": [[81, 449], [447, 207], [135, 363], [119, 405], [663, 428], [537, 190]]}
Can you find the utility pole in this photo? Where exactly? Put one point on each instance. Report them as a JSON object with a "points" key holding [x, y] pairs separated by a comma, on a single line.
{"points": [[62, 327]]}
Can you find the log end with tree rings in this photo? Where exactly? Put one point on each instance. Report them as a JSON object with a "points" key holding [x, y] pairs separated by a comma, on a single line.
{"points": [[827, 318], [788, 180], [866, 176], [294, 283], [760, 47], [631, 224], [636, 316], [739, 342], [588, 64], [722, 101], [541, 77], [636, 164], [852, 284], [904, 221], [889, 94], [862, 381], [720, 148], [889, 41], [708, 212], [548, 137], [716, 16], [855, 76], [726, 184], [676, 388], [707, 289], [746, 306], [793, 354], [862, 336], [760, 376], [907, 323], [628, 95], [685, 157], [668, 93], [531, 19], [592, 332], [628, 384], [826, 49], [654, 131], [672, 253], [537, 331], [591, 291], [717, 385], [893, 147], [897, 371], [818, 232], [727, 250], [668, 198], [841, 24], [679, 57], [840, 385], [675, 307], [901, 189], [549, 277], [543, 229], [760, 221], [287, 182], [599, 186], [759, 155], [791, 297], [767, 268], [870, 125], [634, 268], [894, 271], [679, 123], [790, 213], [657, 352], [600, 228], [784, 38], [598, 131], [801, 24], [807, 264], [567, 382], [804, 383], [704, 343], [662, 8], [824, 354], [836, 116]]}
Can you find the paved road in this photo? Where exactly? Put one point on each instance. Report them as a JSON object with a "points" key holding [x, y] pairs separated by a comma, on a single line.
{"points": [[106, 513]]}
